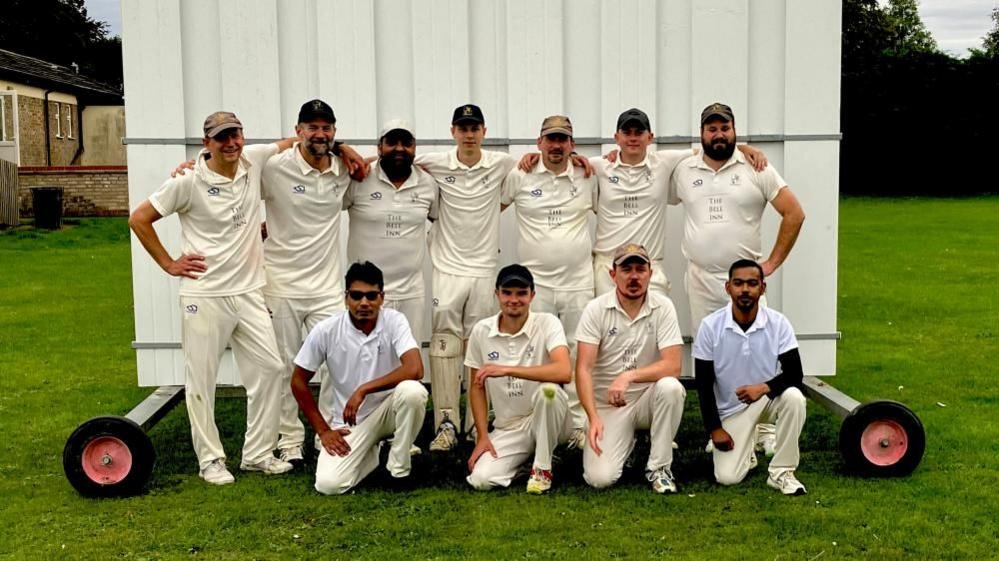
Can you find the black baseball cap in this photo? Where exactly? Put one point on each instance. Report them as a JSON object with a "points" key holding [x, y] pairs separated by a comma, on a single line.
{"points": [[515, 275], [316, 109], [635, 118], [717, 110], [468, 114]]}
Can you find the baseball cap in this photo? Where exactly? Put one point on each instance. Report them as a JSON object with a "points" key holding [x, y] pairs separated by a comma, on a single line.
{"points": [[220, 121], [717, 110], [636, 116], [316, 109], [468, 114], [515, 275], [556, 124], [629, 251], [395, 125]]}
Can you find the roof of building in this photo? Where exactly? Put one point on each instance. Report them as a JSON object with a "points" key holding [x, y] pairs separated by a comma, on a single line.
{"points": [[39, 73]]}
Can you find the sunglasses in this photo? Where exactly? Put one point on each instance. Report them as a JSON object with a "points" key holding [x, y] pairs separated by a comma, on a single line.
{"points": [[357, 295]]}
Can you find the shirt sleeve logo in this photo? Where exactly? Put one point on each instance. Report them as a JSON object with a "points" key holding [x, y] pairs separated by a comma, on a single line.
{"points": [[493, 355], [298, 189], [191, 308]]}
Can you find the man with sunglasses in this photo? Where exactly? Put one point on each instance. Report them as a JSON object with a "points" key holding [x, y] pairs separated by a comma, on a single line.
{"points": [[372, 391], [388, 213]]}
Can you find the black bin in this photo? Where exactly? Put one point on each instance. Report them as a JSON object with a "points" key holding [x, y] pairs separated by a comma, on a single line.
{"points": [[46, 202]]}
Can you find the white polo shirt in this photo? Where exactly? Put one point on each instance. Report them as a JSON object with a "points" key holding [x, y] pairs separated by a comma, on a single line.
{"points": [[465, 239], [219, 219], [531, 346], [631, 204], [354, 358], [388, 226], [742, 357], [625, 343], [553, 236], [722, 210], [302, 249]]}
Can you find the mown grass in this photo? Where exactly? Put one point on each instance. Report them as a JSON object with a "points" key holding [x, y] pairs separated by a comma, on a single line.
{"points": [[918, 309]]}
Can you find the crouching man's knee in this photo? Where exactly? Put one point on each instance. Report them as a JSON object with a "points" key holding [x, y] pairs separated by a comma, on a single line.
{"points": [[410, 393], [333, 483]]}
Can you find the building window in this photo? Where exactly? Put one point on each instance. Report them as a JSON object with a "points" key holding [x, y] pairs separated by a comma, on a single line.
{"points": [[58, 120], [69, 122], [3, 118]]}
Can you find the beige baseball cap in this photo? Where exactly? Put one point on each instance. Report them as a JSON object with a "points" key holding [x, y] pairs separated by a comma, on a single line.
{"points": [[396, 125], [630, 250], [220, 121], [556, 124]]}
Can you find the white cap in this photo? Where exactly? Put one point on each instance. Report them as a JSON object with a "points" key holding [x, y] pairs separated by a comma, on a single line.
{"points": [[396, 124]]}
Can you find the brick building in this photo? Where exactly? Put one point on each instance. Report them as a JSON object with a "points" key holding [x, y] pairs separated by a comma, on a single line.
{"points": [[62, 129]]}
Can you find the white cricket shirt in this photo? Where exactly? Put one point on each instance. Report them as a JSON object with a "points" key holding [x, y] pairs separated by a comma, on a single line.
{"points": [[531, 346], [220, 219], [354, 358], [722, 210], [631, 203], [625, 343], [388, 227], [465, 238], [742, 358], [553, 237], [303, 205]]}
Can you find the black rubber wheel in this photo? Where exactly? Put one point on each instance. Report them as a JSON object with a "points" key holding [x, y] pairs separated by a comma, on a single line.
{"points": [[108, 457], [882, 439]]}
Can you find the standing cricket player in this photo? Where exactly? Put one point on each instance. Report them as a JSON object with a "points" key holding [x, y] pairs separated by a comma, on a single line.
{"points": [[221, 301], [520, 359]]}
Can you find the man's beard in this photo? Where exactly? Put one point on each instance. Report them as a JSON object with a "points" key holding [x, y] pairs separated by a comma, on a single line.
{"points": [[397, 164], [718, 154], [317, 149]]}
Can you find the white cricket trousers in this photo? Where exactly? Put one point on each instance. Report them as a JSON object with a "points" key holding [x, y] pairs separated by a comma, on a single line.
{"points": [[603, 283], [537, 433], [659, 409], [787, 410], [290, 316], [401, 415], [415, 310], [567, 306], [207, 325]]}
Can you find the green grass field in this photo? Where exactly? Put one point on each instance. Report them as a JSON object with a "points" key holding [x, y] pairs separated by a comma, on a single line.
{"points": [[918, 308]]}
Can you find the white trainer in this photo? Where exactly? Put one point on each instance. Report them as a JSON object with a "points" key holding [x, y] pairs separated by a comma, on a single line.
{"points": [[269, 466], [446, 439], [662, 481], [577, 440], [216, 473], [787, 483], [291, 454]]}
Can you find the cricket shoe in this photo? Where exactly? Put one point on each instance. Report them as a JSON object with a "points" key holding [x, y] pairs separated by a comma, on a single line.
{"points": [[291, 454], [269, 466], [787, 483], [577, 440], [662, 481], [216, 473], [446, 439], [539, 482]]}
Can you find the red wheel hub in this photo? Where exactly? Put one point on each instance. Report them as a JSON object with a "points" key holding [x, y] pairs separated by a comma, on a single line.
{"points": [[884, 442], [106, 460]]}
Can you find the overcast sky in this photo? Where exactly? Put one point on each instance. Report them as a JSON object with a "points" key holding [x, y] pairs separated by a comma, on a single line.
{"points": [[955, 24]]}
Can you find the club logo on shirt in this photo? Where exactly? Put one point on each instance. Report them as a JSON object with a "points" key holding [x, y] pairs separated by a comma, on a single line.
{"points": [[436, 302], [698, 183], [298, 189], [485, 180], [614, 179], [736, 180], [573, 191], [529, 351], [536, 192], [449, 179], [612, 332], [414, 198], [191, 308], [493, 355], [376, 196], [648, 176], [214, 191]]}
